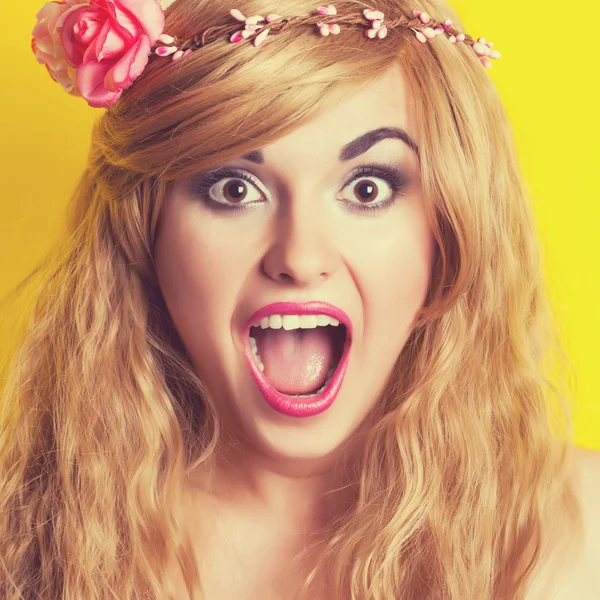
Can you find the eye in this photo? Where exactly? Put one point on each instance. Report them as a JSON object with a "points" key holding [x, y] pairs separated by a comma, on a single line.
{"points": [[228, 189], [369, 190], [368, 193]]}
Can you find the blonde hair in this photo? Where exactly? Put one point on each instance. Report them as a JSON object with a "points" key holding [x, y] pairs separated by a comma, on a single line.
{"points": [[464, 469]]}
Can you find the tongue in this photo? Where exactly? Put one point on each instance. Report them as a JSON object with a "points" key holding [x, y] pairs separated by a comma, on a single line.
{"points": [[296, 361]]}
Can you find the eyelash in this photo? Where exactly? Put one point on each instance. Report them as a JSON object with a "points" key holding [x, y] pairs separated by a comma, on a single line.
{"points": [[392, 175]]}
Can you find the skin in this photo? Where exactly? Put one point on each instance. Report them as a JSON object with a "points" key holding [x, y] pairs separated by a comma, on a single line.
{"points": [[573, 570], [271, 486], [216, 268]]}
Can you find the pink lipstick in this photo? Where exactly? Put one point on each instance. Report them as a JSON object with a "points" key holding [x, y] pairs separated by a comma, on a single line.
{"points": [[284, 403]]}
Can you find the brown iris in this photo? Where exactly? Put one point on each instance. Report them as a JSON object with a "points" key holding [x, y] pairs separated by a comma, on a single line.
{"points": [[368, 189], [235, 191]]}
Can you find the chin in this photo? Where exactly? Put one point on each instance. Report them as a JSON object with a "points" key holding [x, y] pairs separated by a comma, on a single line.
{"points": [[313, 441]]}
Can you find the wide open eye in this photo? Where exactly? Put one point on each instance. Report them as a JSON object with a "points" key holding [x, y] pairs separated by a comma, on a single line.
{"points": [[369, 190], [366, 190], [227, 188]]}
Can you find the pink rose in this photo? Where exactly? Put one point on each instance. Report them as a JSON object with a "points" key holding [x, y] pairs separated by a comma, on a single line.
{"points": [[98, 47], [47, 47]]}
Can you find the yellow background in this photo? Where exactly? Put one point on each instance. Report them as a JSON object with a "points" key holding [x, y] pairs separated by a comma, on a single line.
{"points": [[547, 77]]}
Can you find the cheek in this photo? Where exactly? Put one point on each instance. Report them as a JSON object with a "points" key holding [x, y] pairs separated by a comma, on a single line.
{"points": [[198, 283], [396, 271]]}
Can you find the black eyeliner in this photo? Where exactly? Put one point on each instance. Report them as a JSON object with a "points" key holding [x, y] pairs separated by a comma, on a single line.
{"points": [[393, 175], [203, 184]]}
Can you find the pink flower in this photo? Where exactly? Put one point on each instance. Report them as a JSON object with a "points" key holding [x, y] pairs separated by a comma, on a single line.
{"points": [[325, 29], [97, 48], [47, 47]]}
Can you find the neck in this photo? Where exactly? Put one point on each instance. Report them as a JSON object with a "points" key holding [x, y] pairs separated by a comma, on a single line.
{"points": [[297, 496]]}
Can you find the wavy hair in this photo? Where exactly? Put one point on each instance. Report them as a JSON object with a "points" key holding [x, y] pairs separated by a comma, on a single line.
{"points": [[463, 476]]}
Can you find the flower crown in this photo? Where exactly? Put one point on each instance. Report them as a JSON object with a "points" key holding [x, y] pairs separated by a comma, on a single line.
{"points": [[96, 49]]}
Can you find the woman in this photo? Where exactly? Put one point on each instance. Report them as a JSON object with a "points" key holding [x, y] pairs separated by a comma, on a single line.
{"points": [[294, 344]]}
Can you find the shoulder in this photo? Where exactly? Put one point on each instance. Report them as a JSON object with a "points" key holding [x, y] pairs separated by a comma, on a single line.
{"points": [[579, 576], [588, 465]]}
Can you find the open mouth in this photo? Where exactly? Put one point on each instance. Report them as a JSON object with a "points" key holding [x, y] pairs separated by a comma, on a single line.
{"points": [[299, 362], [298, 354]]}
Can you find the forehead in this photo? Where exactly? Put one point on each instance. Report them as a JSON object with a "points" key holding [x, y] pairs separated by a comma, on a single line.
{"points": [[387, 102]]}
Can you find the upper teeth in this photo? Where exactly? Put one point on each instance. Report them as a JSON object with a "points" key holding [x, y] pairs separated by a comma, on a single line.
{"points": [[296, 321]]}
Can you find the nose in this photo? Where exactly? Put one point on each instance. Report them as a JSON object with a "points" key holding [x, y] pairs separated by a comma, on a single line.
{"points": [[302, 251]]}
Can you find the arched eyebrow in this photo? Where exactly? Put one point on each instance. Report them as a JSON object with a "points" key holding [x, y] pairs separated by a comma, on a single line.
{"points": [[358, 146]]}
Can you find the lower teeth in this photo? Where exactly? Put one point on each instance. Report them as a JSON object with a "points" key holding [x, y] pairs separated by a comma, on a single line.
{"points": [[321, 389]]}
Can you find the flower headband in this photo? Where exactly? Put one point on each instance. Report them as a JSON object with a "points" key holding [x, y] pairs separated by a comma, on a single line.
{"points": [[96, 49]]}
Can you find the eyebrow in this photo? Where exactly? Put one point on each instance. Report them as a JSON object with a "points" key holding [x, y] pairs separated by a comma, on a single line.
{"points": [[358, 146]]}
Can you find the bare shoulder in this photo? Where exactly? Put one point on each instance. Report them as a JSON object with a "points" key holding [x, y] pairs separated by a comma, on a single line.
{"points": [[578, 575], [587, 465], [588, 462]]}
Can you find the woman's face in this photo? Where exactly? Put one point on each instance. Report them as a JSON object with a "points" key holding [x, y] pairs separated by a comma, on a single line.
{"points": [[299, 235]]}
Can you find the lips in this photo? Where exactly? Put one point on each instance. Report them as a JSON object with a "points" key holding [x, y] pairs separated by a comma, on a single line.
{"points": [[283, 403]]}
